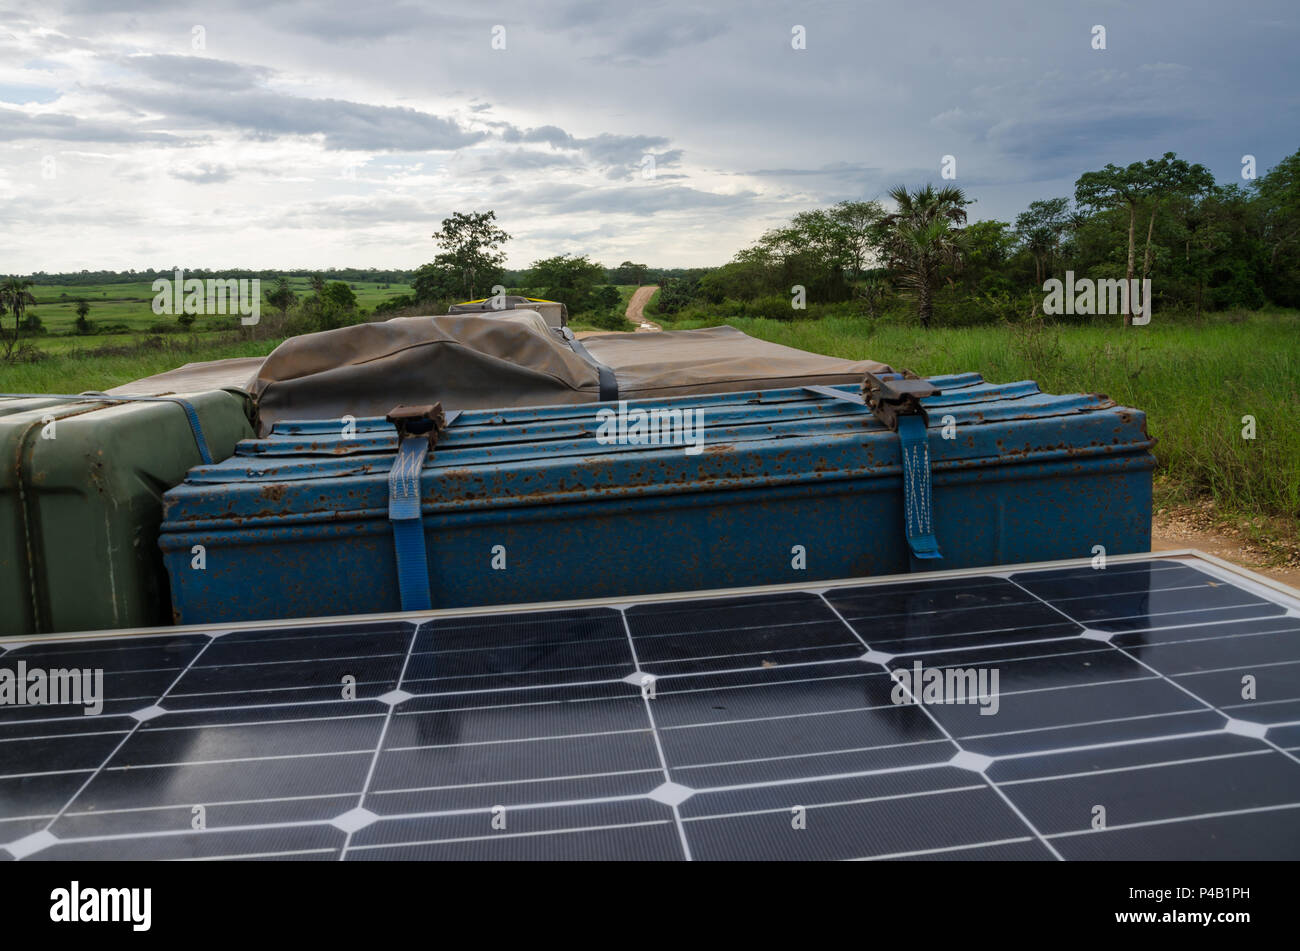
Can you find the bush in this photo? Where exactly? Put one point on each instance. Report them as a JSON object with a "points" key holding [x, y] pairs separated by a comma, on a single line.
{"points": [[83, 326], [400, 302], [609, 320]]}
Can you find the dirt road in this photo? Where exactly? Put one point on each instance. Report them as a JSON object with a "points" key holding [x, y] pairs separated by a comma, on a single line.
{"points": [[636, 306]]}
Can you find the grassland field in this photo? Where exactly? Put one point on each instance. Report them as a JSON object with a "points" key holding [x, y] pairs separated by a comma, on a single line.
{"points": [[132, 305]]}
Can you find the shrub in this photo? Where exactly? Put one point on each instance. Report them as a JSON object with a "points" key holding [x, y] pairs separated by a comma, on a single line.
{"points": [[609, 320]]}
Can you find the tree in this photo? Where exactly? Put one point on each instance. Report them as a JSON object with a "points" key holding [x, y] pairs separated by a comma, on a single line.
{"points": [[14, 297], [570, 279], [629, 273], [435, 284], [1040, 229], [340, 296], [856, 224], [1115, 187], [921, 238], [282, 297], [1277, 200], [317, 283], [1166, 177], [82, 323], [472, 250]]}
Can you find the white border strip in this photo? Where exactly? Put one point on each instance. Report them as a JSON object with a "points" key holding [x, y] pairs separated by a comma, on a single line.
{"points": [[1258, 584]]}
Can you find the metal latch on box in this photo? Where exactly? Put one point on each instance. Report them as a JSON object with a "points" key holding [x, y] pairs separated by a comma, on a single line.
{"points": [[897, 404], [418, 429]]}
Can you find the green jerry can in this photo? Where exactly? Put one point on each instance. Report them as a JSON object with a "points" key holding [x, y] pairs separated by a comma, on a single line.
{"points": [[81, 486]]}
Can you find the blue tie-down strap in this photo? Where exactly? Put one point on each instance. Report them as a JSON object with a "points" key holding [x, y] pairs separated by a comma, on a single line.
{"points": [[408, 526], [917, 511]]}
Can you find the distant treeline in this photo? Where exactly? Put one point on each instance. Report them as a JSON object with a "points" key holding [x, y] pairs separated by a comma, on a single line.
{"points": [[349, 274], [512, 278]]}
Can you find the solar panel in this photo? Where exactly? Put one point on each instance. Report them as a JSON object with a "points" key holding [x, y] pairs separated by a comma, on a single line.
{"points": [[1148, 710]]}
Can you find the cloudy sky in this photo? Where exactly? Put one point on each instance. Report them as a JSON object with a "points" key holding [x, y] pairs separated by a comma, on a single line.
{"points": [[287, 133]]}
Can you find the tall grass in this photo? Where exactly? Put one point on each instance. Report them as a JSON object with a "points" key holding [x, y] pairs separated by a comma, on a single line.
{"points": [[1195, 383], [105, 362]]}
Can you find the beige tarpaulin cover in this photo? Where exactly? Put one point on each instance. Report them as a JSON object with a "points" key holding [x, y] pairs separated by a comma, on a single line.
{"points": [[471, 361], [195, 378]]}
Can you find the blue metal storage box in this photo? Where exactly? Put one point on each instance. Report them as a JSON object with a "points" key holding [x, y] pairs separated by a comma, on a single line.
{"points": [[521, 505]]}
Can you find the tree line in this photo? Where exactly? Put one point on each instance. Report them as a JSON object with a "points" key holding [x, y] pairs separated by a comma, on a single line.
{"points": [[1204, 245]]}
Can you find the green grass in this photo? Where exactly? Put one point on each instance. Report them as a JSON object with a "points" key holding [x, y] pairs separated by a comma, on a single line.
{"points": [[81, 369], [132, 304], [1195, 384]]}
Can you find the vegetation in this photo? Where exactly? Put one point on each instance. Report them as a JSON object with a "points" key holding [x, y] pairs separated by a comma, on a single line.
{"points": [[921, 240], [15, 295], [1204, 246], [470, 264]]}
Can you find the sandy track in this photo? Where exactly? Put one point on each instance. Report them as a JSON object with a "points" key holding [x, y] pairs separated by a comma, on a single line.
{"points": [[636, 307]]}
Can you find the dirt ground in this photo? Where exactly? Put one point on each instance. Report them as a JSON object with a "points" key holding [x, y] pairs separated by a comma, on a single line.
{"points": [[1189, 529], [635, 307]]}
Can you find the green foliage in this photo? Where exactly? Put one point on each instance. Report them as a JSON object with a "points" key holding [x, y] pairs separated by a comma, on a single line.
{"points": [[471, 258], [1205, 248], [612, 319], [333, 305], [281, 296], [340, 297], [628, 273], [400, 302], [675, 293], [573, 280], [82, 324], [922, 239], [435, 284]]}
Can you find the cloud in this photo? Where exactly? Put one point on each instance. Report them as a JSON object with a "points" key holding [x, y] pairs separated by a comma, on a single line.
{"points": [[344, 125], [204, 174], [200, 72], [17, 125], [640, 200]]}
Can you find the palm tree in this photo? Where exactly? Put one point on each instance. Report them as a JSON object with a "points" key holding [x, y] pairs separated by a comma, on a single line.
{"points": [[923, 236], [15, 296]]}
